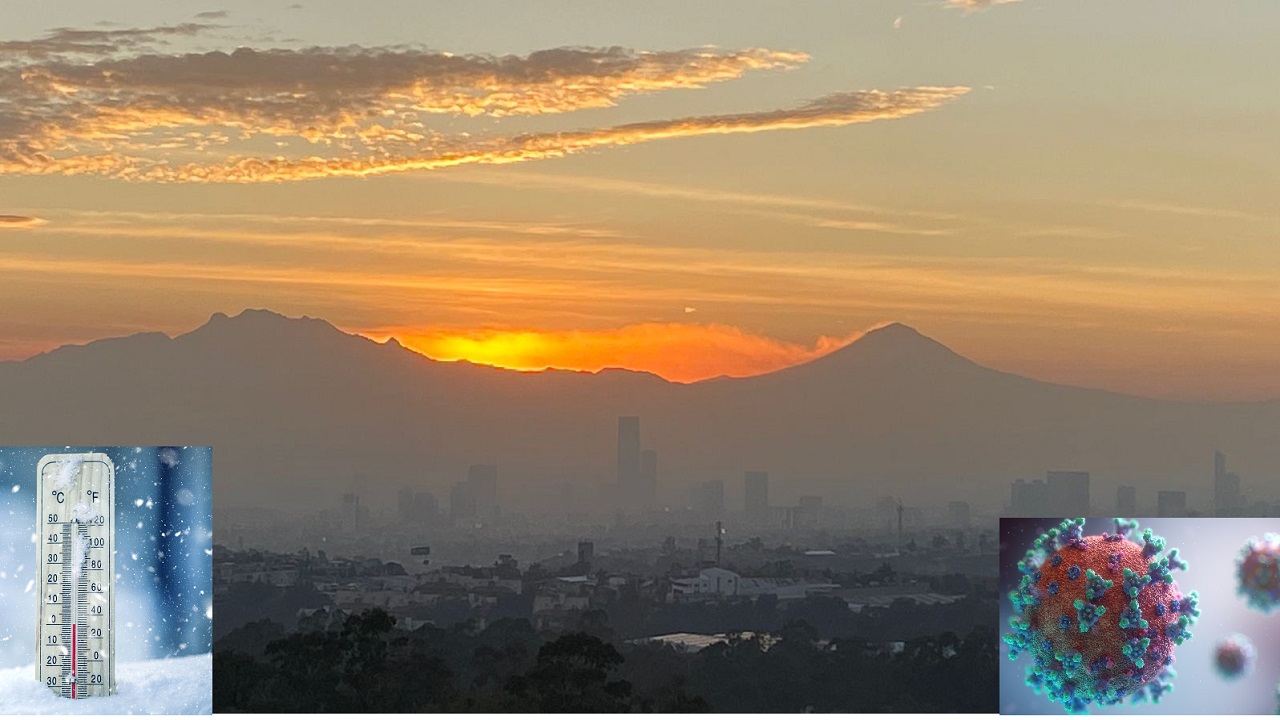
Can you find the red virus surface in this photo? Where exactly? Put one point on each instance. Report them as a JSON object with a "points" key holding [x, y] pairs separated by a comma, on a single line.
{"points": [[1100, 615], [1259, 572]]}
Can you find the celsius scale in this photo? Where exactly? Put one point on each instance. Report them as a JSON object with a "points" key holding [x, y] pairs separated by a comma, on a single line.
{"points": [[75, 518]]}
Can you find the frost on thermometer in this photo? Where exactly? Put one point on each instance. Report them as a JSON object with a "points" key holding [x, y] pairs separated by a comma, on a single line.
{"points": [[75, 631]]}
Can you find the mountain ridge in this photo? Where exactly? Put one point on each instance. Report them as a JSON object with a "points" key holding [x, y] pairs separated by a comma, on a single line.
{"points": [[886, 343], [300, 409]]}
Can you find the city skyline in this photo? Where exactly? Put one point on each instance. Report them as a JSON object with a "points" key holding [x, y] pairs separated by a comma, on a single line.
{"points": [[734, 193]]}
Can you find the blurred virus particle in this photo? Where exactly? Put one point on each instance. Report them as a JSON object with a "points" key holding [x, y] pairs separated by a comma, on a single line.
{"points": [[1234, 656], [1099, 615], [1259, 572]]}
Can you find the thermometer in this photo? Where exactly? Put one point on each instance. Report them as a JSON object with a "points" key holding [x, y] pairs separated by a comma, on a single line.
{"points": [[75, 631]]}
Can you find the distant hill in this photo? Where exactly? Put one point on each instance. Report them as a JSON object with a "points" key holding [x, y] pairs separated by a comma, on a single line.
{"points": [[299, 411]]}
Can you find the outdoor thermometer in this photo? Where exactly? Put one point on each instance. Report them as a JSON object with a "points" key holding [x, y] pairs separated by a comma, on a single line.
{"points": [[75, 519]]}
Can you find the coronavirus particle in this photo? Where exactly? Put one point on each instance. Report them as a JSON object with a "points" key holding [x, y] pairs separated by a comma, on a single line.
{"points": [[1099, 615], [1234, 656], [1259, 572]]}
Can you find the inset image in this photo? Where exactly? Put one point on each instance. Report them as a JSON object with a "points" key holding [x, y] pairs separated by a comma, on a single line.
{"points": [[106, 601], [1148, 616]]}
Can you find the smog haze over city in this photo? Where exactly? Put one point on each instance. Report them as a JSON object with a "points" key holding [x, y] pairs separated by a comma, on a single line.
{"points": [[722, 332]]}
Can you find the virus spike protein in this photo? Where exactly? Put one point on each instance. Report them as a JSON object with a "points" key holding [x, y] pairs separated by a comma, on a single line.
{"points": [[1259, 572], [1100, 615]]}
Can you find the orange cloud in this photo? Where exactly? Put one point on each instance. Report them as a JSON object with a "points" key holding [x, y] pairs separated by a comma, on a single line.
{"points": [[65, 43], [975, 5], [71, 115], [677, 352], [94, 103], [19, 221], [831, 111]]}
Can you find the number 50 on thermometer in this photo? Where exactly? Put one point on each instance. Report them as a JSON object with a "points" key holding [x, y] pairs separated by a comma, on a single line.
{"points": [[75, 518]]}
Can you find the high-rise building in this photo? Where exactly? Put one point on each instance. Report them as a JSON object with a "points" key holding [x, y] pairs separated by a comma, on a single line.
{"points": [[1171, 504], [586, 553], [755, 496], [425, 506], [629, 469], [887, 513], [1126, 501], [1068, 493], [1029, 499], [709, 501], [352, 513], [958, 512], [1227, 500], [484, 487], [416, 506]]}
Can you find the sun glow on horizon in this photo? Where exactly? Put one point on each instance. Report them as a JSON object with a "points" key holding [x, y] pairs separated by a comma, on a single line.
{"points": [[677, 352]]}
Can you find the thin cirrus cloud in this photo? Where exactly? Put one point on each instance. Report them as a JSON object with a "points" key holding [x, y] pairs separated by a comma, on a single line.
{"points": [[19, 222], [974, 5], [65, 44], [681, 352], [831, 111], [85, 102]]}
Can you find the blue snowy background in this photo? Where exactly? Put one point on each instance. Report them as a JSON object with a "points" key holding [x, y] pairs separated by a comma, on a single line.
{"points": [[163, 553], [1210, 547]]}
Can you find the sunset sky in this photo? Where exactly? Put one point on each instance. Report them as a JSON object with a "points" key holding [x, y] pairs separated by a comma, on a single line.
{"points": [[1076, 190]]}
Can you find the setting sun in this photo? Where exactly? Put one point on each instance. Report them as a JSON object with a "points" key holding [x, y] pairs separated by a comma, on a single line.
{"points": [[677, 352]]}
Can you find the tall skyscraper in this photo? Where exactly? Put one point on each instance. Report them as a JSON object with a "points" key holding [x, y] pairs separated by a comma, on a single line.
{"points": [[1068, 493], [351, 512], [755, 496], [462, 501], [1126, 501], [416, 507], [1029, 499], [1227, 499], [1171, 504], [629, 472]]}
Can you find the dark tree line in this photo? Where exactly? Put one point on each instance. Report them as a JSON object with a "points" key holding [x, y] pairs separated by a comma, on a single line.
{"points": [[366, 665]]}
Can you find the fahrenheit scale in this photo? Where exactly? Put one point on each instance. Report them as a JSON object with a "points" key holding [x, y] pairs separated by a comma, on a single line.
{"points": [[75, 632]]}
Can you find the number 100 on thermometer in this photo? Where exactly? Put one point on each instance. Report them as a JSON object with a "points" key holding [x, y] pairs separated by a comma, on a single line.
{"points": [[75, 632]]}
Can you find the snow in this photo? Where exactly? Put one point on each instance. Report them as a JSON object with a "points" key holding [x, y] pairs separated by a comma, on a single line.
{"points": [[67, 472], [82, 512], [171, 686], [79, 553]]}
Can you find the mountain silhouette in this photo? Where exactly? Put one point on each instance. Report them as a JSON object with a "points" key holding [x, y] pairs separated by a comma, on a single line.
{"points": [[299, 411]]}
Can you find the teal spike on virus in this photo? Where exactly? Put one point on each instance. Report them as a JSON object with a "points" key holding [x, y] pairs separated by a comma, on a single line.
{"points": [[1100, 615]]}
